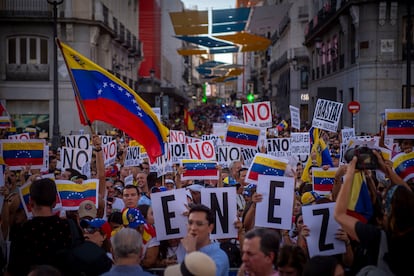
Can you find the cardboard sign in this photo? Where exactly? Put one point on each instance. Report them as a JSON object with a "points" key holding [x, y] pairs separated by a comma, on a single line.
{"points": [[327, 114], [227, 154], [75, 158], [322, 225], [347, 134], [78, 141], [294, 117], [168, 216], [21, 136], [177, 136], [202, 150], [299, 143], [133, 157], [275, 211], [258, 114], [279, 147], [106, 139], [223, 203], [178, 151], [109, 152]]}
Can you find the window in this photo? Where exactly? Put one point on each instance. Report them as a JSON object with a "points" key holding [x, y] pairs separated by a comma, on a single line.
{"points": [[27, 50]]}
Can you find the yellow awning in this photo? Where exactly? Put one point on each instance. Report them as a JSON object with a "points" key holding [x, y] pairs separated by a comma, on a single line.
{"points": [[190, 52]]}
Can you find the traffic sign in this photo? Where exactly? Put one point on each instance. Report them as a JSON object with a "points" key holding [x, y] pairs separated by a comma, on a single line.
{"points": [[354, 107]]}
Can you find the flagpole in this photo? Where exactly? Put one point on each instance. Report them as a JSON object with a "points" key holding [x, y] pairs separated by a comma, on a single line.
{"points": [[75, 88]]}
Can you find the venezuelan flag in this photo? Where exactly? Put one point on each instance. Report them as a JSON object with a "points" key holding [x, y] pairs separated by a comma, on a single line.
{"points": [[282, 125], [5, 122], [17, 153], [403, 165], [323, 180], [72, 194], [105, 97], [199, 169], [360, 205], [267, 165], [242, 135], [400, 123], [149, 233]]}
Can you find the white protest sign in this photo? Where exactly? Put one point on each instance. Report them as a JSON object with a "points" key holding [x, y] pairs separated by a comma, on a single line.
{"points": [[227, 154], [132, 157], [75, 158], [257, 114], [216, 139], [219, 129], [78, 141], [327, 114], [299, 143], [21, 136], [347, 133], [178, 151], [222, 202], [279, 147], [248, 155], [202, 150], [105, 139], [294, 117], [275, 211], [190, 140], [177, 136], [322, 225], [109, 152], [168, 216]]}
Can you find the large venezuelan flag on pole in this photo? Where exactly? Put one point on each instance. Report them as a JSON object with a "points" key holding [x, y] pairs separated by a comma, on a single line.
{"points": [[102, 96], [188, 121], [360, 205]]}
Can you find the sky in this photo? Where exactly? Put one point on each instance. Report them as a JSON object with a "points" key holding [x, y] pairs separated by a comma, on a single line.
{"points": [[215, 5]]}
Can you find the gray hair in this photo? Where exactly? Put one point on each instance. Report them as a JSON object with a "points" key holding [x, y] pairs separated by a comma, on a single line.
{"points": [[125, 242]]}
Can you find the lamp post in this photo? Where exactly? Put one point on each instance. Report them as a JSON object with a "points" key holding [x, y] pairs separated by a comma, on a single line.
{"points": [[55, 138], [409, 46]]}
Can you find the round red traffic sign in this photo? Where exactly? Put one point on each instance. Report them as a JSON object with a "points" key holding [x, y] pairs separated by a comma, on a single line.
{"points": [[354, 107]]}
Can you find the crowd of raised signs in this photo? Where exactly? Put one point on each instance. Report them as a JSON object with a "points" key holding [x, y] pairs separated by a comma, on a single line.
{"points": [[319, 197]]}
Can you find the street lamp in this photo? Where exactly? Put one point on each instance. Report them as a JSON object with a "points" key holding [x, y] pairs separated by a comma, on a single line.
{"points": [[55, 138]]}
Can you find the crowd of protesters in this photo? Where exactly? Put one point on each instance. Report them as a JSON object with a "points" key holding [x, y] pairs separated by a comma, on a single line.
{"points": [[119, 237]]}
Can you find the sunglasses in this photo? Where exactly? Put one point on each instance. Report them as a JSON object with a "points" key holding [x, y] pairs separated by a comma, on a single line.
{"points": [[91, 230]]}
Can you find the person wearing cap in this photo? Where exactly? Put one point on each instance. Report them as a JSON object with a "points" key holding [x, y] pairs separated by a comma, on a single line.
{"points": [[200, 225], [126, 251], [309, 198], [169, 184], [87, 210], [195, 190], [196, 263]]}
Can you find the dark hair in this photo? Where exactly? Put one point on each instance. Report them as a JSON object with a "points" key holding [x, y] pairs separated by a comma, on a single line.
{"points": [[401, 215], [45, 270], [130, 186], [73, 172], [292, 256], [43, 192], [242, 170], [115, 217], [320, 266], [269, 241], [202, 208]]}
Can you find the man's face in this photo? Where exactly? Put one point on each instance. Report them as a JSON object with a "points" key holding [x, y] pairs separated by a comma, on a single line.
{"points": [[130, 197], [254, 260], [141, 180], [235, 168], [242, 179], [198, 227], [145, 168], [110, 188]]}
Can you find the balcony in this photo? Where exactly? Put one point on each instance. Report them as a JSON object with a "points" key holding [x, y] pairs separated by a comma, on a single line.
{"points": [[25, 8], [27, 72]]}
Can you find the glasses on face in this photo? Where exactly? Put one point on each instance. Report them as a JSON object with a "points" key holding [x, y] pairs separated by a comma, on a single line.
{"points": [[91, 230], [197, 223]]}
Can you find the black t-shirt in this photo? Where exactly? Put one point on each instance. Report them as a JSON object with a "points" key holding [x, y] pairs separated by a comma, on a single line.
{"points": [[37, 242], [399, 256]]}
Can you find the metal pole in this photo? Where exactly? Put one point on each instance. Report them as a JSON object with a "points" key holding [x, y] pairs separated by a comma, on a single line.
{"points": [[56, 134], [409, 46]]}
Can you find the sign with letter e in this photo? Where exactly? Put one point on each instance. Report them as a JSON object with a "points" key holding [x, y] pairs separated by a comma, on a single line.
{"points": [[275, 211], [168, 216]]}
